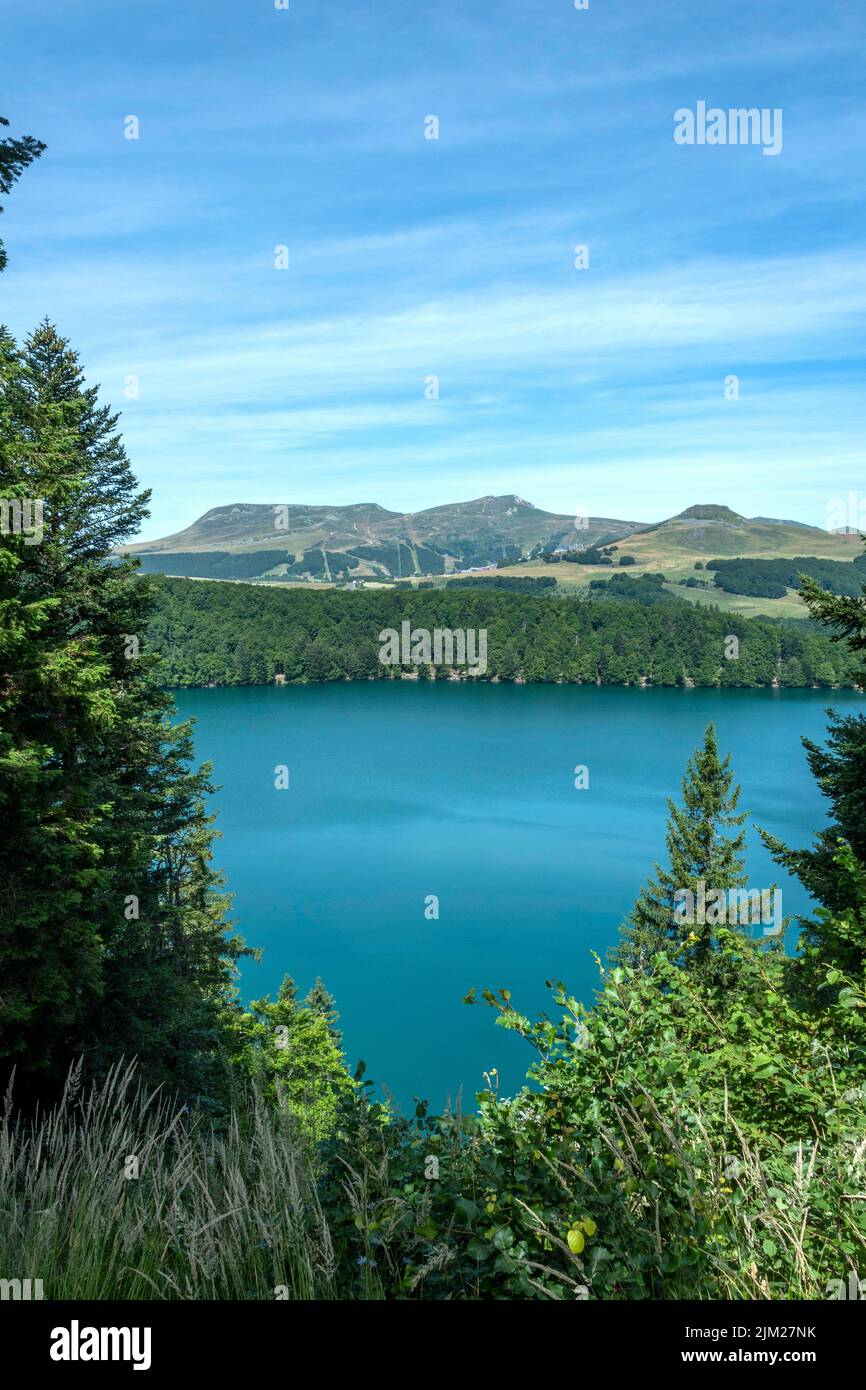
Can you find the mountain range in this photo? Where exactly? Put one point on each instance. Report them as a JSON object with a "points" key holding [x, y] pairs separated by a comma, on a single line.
{"points": [[366, 541]]}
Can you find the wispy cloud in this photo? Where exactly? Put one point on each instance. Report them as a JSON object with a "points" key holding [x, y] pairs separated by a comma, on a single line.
{"points": [[411, 258]]}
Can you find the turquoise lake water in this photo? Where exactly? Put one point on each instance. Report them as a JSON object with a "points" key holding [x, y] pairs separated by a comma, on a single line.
{"points": [[403, 790]]}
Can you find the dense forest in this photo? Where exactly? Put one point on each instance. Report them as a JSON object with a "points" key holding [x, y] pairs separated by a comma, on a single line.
{"points": [[647, 589], [772, 578], [694, 1132], [597, 554], [316, 563], [397, 560], [515, 583], [232, 634]]}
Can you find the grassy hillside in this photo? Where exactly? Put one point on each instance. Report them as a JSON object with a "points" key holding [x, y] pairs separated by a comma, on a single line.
{"points": [[703, 533], [676, 544]]}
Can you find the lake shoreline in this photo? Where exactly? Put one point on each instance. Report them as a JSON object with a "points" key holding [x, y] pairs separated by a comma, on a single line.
{"points": [[213, 634], [456, 677]]}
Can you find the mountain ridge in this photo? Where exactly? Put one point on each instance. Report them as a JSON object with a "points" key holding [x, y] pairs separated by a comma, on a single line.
{"points": [[364, 540], [370, 541]]}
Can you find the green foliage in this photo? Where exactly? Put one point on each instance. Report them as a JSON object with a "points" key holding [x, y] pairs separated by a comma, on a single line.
{"points": [[15, 156], [646, 589], [833, 869], [773, 578], [701, 856], [112, 923], [218, 564], [513, 583], [840, 772], [592, 555], [695, 1134], [233, 634], [292, 1054], [845, 614], [325, 1004]]}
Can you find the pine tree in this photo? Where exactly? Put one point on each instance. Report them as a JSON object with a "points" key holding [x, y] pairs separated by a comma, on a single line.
{"points": [[699, 852], [833, 870], [322, 1002], [290, 1052], [15, 156], [112, 923], [840, 771], [57, 704], [288, 992], [844, 613]]}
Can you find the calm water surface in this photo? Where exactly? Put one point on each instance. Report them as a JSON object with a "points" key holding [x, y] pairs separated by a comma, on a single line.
{"points": [[398, 791]]}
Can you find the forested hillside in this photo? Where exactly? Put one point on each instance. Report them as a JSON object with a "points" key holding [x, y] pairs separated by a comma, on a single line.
{"points": [[231, 634], [773, 578]]}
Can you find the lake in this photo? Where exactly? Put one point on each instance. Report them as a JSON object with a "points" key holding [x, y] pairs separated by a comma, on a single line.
{"points": [[403, 790]]}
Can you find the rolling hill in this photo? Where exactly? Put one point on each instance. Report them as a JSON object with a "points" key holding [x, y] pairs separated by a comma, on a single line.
{"points": [[680, 547], [713, 532]]}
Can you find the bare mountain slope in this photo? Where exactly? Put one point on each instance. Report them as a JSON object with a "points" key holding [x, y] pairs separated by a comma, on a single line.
{"points": [[247, 540]]}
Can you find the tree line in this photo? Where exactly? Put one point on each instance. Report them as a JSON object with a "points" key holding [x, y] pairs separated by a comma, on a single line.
{"points": [[773, 578], [227, 634]]}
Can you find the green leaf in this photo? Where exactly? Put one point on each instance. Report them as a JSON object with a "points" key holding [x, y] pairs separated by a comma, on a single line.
{"points": [[478, 1249], [503, 1238], [468, 1209]]}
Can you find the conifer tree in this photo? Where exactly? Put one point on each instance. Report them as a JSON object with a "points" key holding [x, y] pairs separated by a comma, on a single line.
{"points": [[840, 771], [845, 613], [288, 1049], [699, 852], [321, 1001], [112, 924], [54, 702], [15, 156], [833, 870]]}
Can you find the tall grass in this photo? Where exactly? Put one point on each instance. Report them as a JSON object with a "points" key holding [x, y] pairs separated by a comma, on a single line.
{"points": [[227, 1213], [115, 1193]]}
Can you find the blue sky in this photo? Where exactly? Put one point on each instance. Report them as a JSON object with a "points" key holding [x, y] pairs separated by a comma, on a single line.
{"points": [[594, 391]]}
